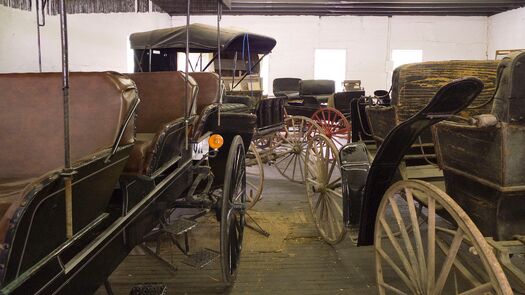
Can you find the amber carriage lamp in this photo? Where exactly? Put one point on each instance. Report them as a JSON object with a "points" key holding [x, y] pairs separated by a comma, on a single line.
{"points": [[216, 141]]}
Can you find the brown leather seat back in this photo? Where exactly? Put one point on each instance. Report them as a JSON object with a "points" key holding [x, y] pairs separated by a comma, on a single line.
{"points": [[208, 89], [162, 99], [32, 128]]}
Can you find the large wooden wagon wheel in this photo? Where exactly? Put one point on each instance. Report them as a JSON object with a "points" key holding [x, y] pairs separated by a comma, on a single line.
{"points": [[254, 175], [334, 125], [323, 188], [436, 257], [290, 151], [232, 211]]}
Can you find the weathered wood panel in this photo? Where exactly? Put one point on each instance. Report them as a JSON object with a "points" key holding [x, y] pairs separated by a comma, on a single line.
{"points": [[414, 85]]}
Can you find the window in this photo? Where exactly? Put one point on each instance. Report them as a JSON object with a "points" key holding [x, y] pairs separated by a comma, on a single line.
{"points": [[402, 57], [197, 63], [330, 64], [265, 74]]}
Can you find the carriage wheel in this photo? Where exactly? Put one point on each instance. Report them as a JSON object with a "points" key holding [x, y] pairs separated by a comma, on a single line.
{"points": [[334, 125], [436, 257], [323, 188], [232, 211], [254, 175], [290, 150]]}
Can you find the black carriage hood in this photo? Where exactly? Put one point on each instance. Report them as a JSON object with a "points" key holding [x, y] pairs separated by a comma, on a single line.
{"points": [[203, 38]]}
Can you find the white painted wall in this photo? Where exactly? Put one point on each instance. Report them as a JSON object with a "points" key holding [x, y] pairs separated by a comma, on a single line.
{"points": [[506, 31], [96, 41], [99, 41], [366, 40]]}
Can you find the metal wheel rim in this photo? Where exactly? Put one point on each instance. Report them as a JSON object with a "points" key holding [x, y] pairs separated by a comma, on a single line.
{"points": [[418, 271], [291, 151], [233, 212], [323, 188], [334, 125], [254, 176]]}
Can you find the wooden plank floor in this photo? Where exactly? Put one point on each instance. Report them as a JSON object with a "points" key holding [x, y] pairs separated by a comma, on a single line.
{"points": [[293, 260]]}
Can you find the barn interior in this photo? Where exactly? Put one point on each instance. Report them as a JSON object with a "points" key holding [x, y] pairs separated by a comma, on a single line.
{"points": [[262, 147]]}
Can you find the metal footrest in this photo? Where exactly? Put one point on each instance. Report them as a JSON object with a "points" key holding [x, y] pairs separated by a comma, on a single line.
{"points": [[149, 289], [180, 226], [201, 258]]}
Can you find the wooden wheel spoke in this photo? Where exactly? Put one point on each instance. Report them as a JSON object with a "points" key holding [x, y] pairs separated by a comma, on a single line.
{"points": [[447, 265], [399, 251], [431, 251], [459, 265], [337, 206], [391, 288], [335, 183], [406, 239], [417, 234], [415, 263], [487, 287], [396, 269]]}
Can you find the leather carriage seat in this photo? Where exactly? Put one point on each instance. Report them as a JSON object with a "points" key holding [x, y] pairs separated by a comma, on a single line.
{"points": [[32, 129], [322, 90], [208, 83], [287, 87], [160, 114], [209, 93]]}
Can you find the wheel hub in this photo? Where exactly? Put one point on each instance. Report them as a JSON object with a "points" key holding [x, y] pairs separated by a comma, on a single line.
{"points": [[296, 149]]}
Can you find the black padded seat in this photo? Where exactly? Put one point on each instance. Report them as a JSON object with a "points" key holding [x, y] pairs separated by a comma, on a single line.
{"points": [[286, 87], [235, 108], [322, 90]]}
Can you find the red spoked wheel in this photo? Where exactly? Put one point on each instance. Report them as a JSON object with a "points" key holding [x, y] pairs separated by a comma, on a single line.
{"points": [[334, 125]]}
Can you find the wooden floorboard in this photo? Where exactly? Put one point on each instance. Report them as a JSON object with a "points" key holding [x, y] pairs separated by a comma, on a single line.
{"points": [[293, 260]]}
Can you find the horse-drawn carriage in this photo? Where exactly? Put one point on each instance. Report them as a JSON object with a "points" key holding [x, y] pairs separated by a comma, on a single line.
{"points": [[467, 240], [312, 107], [85, 180]]}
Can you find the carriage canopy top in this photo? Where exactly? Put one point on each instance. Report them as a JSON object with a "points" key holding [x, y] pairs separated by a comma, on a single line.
{"points": [[203, 38]]}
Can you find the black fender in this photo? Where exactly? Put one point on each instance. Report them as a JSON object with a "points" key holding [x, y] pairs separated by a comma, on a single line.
{"points": [[449, 100]]}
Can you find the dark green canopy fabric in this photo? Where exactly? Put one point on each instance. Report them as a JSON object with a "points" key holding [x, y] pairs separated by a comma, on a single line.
{"points": [[203, 38]]}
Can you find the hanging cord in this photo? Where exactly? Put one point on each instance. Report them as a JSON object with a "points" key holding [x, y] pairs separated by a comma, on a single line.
{"points": [[246, 43]]}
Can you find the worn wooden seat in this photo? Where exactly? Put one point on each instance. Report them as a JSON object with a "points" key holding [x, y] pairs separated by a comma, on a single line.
{"points": [[32, 215], [414, 85], [483, 161]]}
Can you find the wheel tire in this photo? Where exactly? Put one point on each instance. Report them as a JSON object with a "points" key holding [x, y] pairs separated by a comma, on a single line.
{"points": [[254, 176], [442, 256], [291, 149], [334, 125], [323, 188], [232, 211]]}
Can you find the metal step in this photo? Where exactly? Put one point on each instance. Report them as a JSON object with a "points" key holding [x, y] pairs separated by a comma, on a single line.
{"points": [[180, 226], [201, 258], [149, 289]]}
